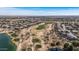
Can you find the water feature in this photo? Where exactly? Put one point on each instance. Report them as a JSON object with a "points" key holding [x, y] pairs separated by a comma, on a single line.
{"points": [[5, 43]]}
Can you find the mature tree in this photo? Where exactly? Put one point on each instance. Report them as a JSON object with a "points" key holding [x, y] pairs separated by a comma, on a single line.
{"points": [[68, 47]]}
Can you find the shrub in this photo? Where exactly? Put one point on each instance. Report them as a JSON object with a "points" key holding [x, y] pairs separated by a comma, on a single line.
{"points": [[33, 34], [75, 43], [68, 47], [29, 49], [36, 40], [58, 43], [23, 49], [38, 46], [76, 49], [14, 35], [52, 44], [16, 39]]}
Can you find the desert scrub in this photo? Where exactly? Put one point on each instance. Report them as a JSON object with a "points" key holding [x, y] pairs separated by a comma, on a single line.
{"points": [[75, 43], [76, 49], [29, 49], [36, 40], [14, 35], [68, 47], [52, 44], [23, 49], [10, 32], [58, 43], [37, 46], [33, 34], [16, 39]]}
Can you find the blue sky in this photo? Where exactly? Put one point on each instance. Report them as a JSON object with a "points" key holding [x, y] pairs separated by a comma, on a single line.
{"points": [[39, 10]]}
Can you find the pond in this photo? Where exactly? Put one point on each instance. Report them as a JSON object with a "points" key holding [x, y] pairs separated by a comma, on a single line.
{"points": [[5, 43]]}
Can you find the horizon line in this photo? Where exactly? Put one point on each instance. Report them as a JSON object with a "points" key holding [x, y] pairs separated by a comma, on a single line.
{"points": [[39, 15]]}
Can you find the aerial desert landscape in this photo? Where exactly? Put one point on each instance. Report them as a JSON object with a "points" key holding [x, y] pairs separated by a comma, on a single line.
{"points": [[40, 33]]}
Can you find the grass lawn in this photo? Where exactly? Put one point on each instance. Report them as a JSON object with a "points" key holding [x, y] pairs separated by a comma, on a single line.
{"points": [[41, 27]]}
